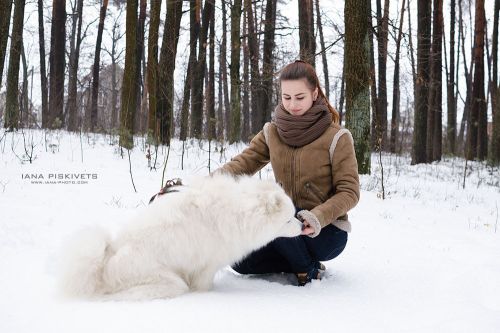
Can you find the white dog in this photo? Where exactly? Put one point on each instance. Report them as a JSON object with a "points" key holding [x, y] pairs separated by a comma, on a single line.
{"points": [[179, 242]]}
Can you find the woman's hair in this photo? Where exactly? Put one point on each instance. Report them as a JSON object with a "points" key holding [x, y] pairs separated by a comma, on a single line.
{"points": [[302, 70]]}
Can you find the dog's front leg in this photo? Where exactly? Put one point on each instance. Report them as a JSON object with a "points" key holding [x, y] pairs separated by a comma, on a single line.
{"points": [[202, 280]]}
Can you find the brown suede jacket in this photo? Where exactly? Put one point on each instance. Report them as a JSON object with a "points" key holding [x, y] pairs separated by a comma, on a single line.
{"points": [[321, 177]]}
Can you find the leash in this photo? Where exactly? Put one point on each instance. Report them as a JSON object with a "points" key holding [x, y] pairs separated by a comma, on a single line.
{"points": [[168, 188]]}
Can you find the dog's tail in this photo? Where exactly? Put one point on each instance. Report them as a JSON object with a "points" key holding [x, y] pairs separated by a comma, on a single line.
{"points": [[83, 263]]}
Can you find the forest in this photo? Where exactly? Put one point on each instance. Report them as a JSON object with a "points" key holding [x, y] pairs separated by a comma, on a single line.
{"points": [[411, 77]]}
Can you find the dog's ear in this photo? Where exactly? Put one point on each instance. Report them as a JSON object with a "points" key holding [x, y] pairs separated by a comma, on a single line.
{"points": [[273, 202]]}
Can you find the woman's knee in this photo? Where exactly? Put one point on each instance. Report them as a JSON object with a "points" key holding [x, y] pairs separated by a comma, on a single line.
{"points": [[328, 244]]}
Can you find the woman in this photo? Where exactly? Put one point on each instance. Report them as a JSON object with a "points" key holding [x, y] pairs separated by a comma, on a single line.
{"points": [[313, 160]]}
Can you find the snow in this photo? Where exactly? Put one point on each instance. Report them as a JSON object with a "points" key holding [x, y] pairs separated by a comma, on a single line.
{"points": [[425, 259]]}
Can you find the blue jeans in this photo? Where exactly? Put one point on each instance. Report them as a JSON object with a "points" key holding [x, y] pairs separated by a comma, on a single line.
{"points": [[294, 255]]}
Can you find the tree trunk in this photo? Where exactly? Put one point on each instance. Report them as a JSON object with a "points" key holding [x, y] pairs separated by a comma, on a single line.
{"points": [[494, 153], [211, 81], [235, 132], [199, 73], [268, 60], [422, 83], [76, 40], [451, 132], [96, 69], [323, 50], [434, 115], [475, 145], [380, 118], [195, 8], [220, 101], [258, 114], [307, 41], [468, 79], [357, 69], [165, 107], [43, 70], [223, 73], [129, 87], [245, 105], [12, 101], [152, 75], [396, 93], [373, 78], [141, 112], [57, 64], [5, 7]]}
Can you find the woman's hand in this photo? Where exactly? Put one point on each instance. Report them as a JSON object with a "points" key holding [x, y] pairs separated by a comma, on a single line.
{"points": [[307, 229]]}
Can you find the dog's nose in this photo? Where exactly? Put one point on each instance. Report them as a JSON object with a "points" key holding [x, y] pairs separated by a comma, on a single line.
{"points": [[296, 220]]}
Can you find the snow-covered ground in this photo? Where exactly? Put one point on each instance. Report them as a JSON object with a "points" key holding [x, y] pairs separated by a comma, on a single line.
{"points": [[425, 259]]}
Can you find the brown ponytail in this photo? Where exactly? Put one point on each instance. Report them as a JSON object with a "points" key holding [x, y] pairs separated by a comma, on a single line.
{"points": [[302, 70]]}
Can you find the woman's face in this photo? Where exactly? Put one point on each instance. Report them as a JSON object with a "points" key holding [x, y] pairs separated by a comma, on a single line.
{"points": [[297, 97]]}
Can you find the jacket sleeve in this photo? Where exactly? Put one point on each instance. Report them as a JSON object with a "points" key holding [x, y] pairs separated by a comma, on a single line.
{"points": [[251, 160], [345, 183]]}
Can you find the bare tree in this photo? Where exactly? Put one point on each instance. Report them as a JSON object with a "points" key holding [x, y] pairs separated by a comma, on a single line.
{"points": [[451, 132], [129, 87], [194, 30], [422, 82], [75, 43], [165, 106], [379, 133], [396, 93], [357, 67], [43, 70], [323, 50], [477, 141], [5, 8], [57, 65], [12, 102], [434, 115], [199, 73], [307, 41], [97, 66], [152, 73], [235, 133]]}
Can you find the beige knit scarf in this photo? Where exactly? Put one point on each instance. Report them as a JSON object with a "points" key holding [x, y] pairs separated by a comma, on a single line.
{"points": [[298, 131]]}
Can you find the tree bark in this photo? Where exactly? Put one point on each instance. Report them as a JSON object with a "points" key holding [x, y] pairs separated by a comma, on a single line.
{"points": [[396, 93], [165, 107], [477, 140], [96, 69], [235, 133], [307, 41], [258, 113], [76, 40], [43, 70], [323, 50], [129, 87], [57, 64], [152, 74], [199, 73], [211, 123], [380, 118], [5, 7], [434, 115], [268, 60], [357, 68], [422, 82], [223, 71], [451, 132], [245, 105], [12, 98]]}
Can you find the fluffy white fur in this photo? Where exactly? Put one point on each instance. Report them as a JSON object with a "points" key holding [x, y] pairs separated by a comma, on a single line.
{"points": [[179, 241]]}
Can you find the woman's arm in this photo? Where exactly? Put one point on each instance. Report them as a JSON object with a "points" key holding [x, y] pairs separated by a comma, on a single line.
{"points": [[345, 183], [251, 160]]}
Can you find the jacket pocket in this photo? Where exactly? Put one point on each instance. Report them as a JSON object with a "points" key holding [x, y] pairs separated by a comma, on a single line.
{"points": [[315, 191]]}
